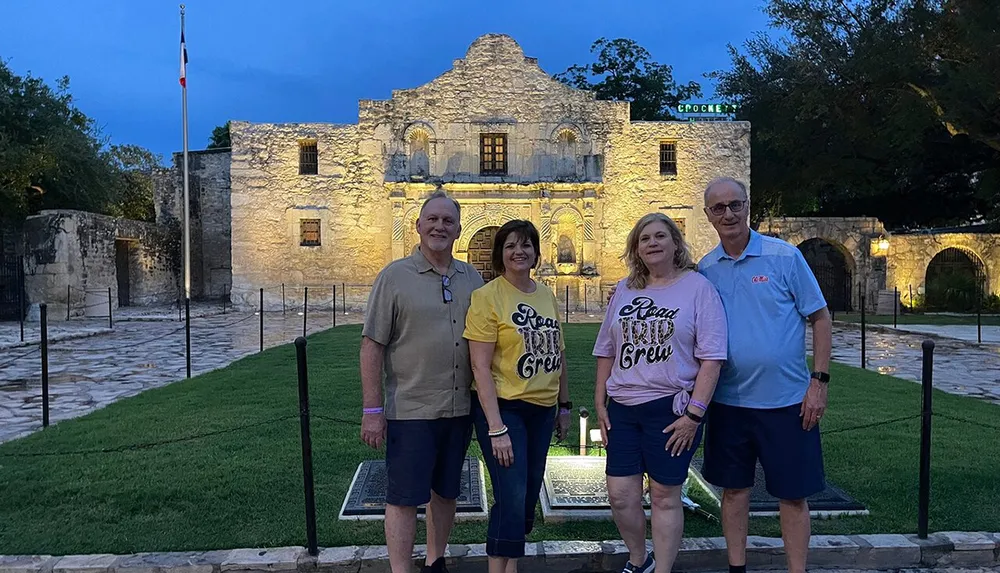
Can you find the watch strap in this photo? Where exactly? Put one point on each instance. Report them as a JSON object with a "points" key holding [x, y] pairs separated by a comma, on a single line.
{"points": [[821, 376]]}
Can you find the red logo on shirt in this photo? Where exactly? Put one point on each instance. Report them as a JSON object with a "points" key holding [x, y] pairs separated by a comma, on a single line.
{"points": [[759, 279]]}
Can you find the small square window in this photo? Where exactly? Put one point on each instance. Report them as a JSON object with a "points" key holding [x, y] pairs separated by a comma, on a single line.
{"points": [[668, 158], [682, 226], [308, 158], [309, 231], [493, 154]]}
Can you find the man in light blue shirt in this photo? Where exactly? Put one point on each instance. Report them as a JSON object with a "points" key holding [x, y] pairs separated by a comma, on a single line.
{"points": [[767, 404]]}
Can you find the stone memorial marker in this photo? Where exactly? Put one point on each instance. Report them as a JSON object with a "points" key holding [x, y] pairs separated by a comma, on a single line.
{"points": [[365, 499]]}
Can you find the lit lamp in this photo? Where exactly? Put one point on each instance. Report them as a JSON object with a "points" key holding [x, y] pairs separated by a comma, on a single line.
{"points": [[583, 430], [883, 244]]}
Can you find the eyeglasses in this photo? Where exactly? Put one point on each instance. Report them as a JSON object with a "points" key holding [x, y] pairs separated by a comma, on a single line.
{"points": [[734, 206], [445, 291]]}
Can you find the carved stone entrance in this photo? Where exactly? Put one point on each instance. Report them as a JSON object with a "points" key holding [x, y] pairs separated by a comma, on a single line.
{"points": [[481, 252]]}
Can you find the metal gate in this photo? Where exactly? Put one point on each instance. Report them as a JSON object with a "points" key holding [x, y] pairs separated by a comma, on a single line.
{"points": [[956, 280], [830, 268], [11, 287]]}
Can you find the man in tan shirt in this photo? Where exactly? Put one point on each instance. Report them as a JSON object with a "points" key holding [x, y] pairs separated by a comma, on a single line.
{"points": [[413, 336]]}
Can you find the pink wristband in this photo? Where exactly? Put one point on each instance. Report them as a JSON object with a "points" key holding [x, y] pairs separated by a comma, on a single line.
{"points": [[372, 410], [699, 404]]}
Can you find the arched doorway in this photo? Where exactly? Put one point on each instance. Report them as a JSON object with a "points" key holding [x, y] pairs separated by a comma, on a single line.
{"points": [[955, 281], [481, 252], [830, 265]]}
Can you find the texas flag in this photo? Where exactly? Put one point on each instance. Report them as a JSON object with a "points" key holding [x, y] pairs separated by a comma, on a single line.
{"points": [[184, 60]]}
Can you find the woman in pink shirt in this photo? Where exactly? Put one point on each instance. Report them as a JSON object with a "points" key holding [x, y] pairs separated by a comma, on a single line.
{"points": [[659, 353]]}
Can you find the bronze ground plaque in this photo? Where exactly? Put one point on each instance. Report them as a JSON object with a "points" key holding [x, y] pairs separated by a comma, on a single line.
{"points": [[366, 497]]}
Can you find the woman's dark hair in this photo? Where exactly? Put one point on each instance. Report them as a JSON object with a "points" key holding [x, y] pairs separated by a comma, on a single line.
{"points": [[523, 229]]}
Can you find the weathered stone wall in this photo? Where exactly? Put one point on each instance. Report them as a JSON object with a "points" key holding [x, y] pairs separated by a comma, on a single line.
{"points": [[634, 186], [577, 168], [857, 238], [270, 197], [211, 217], [910, 255], [77, 249]]}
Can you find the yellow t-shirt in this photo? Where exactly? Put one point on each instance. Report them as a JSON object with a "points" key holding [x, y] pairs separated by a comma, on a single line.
{"points": [[528, 336]]}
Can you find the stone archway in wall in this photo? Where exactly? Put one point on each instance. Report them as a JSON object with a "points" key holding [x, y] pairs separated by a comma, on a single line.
{"points": [[955, 279], [833, 266], [481, 252]]}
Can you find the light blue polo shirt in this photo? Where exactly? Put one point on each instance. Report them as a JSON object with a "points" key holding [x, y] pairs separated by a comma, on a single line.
{"points": [[767, 292]]}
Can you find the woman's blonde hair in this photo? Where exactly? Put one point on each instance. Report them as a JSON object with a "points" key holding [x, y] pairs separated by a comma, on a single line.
{"points": [[638, 273]]}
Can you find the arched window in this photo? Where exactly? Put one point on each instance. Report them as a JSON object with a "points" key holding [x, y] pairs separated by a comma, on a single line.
{"points": [[566, 154], [419, 156], [566, 252]]}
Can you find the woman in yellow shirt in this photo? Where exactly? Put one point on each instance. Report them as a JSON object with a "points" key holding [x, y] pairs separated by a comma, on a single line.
{"points": [[519, 365]]}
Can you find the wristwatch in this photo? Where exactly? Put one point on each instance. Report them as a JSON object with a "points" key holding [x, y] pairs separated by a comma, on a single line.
{"points": [[821, 376], [565, 405]]}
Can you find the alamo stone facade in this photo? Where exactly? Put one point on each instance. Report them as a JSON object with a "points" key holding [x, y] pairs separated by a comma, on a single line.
{"points": [[320, 204]]}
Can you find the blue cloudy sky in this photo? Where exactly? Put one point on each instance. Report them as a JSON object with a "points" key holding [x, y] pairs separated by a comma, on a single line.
{"points": [[312, 61]]}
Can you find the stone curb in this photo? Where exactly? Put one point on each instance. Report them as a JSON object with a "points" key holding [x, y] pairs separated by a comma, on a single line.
{"points": [[57, 338], [860, 552]]}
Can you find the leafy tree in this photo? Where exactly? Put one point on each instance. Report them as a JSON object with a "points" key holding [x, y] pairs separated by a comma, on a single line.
{"points": [[220, 137], [53, 157], [857, 113], [625, 71], [50, 152], [133, 184]]}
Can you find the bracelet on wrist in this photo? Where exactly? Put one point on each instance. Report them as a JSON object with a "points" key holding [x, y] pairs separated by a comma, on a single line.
{"points": [[699, 404], [497, 433], [564, 411], [372, 410], [693, 416]]}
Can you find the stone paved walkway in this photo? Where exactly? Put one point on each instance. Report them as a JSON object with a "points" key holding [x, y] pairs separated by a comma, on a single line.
{"points": [[959, 367], [991, 334], [89, 373]]}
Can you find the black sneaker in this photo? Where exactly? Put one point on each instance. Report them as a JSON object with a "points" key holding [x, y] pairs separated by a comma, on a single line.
{"points": [[436, 567], [647, 567]]}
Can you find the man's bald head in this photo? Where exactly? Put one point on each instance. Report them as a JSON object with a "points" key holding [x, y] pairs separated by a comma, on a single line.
{"points": [[719, 182]]}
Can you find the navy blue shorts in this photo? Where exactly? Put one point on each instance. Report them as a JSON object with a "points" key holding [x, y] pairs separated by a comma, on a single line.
{"points": [[425, 455], [637, 444], [736, 438]]}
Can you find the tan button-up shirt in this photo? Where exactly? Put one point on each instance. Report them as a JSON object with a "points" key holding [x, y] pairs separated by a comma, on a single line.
{"points": [[427, 370]]}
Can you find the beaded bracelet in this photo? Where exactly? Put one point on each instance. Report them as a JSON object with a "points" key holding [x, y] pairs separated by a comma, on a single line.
{"points": [[498, 433]]}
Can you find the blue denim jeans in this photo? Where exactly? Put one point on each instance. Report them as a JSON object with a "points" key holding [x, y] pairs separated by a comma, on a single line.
{"points": [[515, 488]]}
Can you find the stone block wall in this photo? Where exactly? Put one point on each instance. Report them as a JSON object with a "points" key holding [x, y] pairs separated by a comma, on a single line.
{"points": [[78, 249], [211, 218], [633, 185], [270, 199], [910, 255]]}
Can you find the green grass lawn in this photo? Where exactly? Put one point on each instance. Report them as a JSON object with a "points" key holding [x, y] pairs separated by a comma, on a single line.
{"points": [[244, 488], [910, 318]]}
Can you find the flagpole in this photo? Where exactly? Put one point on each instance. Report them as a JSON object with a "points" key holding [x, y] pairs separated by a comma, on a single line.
{"points": [[187, 214]]}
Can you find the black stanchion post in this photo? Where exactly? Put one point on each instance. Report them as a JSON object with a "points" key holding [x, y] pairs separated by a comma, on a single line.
{"points": [[343, 296], [923, 503], [111, 322], [262, 320], [282, 298], [68, 303], [44, 343], [895, 297], [585, 299], [864, 363], [334, 305], [187, 333], [20, 301], [307, 465], [305, 310], [979, 316], [567, 303]]}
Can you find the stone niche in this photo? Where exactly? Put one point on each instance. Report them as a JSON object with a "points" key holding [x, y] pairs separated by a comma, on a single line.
{"points": [[82, 255]]}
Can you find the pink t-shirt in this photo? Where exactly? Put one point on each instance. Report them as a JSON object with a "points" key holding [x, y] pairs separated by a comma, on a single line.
{"points": [[657, 335]]}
